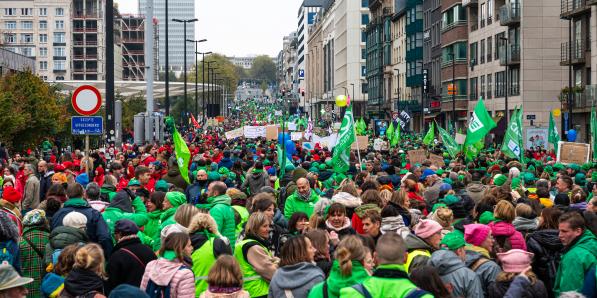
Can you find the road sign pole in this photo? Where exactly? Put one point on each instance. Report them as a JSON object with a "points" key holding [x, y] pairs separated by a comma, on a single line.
{"points": [[87, 155]]}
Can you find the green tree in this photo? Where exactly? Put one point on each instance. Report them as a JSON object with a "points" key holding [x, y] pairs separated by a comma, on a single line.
{"points": [[31, 110], [131, 106], [263, 69], [225, 70]]}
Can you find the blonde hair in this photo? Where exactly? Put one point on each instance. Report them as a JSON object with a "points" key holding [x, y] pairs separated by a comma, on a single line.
{"points": [[201, 222], [91, 257], [444, 216], [256, 220], [184, 214], [524, 210], [348, 186], [349, 249], [225, 273], [399, 197], [504, 211], [386, 196]]}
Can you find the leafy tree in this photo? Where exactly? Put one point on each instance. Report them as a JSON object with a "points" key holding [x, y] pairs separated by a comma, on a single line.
{"points": [[242, 73], [131, 106], [31, 110], [263, 69], [171, 75], [225, 70]]}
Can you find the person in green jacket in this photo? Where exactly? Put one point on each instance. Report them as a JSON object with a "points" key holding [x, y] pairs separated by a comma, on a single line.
{"points": [[125, 205], [174, 199], [389, 278], [302, 200], [350, 267], [207, 247], [580, 246], [154, 207], [218, 204]]}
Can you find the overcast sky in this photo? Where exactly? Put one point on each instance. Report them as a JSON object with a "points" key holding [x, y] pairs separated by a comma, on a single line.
{"points": [[239, 27]]}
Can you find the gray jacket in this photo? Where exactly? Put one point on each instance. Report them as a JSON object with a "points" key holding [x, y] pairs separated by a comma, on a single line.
{"points": [[31, 195], [452, 270], [487, 271], [254, 182], [295, 280]]}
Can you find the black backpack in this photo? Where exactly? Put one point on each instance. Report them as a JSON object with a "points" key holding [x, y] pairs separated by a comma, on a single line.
{"points": [[154, 290]]}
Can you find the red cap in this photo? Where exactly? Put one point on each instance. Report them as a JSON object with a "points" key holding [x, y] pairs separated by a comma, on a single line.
{"points": [[12, 195]]}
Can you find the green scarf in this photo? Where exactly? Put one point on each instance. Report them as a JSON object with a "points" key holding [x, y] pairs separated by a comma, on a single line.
{"points": [[257, 171], [169, 255]]}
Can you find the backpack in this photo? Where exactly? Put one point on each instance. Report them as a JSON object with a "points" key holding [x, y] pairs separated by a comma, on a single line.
{"points": [[5, 254], [154, 290]]}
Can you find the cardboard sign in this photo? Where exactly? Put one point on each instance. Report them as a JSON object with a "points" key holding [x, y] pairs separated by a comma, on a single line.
{"points": [[253, 132], [362, 141], [291, 126], [271, 132], [233, 134], [437, 160], [417, 156], [296, 135], [378, 144], [577, 153]]}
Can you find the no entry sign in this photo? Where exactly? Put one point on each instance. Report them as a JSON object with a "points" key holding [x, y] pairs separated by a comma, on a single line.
{"points": [[86, 100]]}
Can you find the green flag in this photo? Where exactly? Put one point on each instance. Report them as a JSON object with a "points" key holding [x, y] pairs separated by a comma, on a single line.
{"points": [[428, 139], [282, 160], [183, 155], [346, 136], [554, 136], [472, 150], [451, 146], [512, 146], [390, 131], [396, 136], [479, 125]]}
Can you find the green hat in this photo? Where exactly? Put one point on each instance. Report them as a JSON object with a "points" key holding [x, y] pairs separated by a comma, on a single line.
{"points": [[453, 240], [548, 158], [580, 179], [439, 172], [548, 169], [134, 182], [515, 183], [558, 166], [499, 179], [322, 167], [232, 175], [449, 199], [224, 171], [574, 167], [329, 163], [531, 168], [213, 176], [594, 176], [161, 185], [403, 172], [586, 166], [448, 181], [176, 198], [486, 217], [438, 205], [314, 169], [528, 177], [289, 167], [267, 162], [446, 154], [315, 164]]}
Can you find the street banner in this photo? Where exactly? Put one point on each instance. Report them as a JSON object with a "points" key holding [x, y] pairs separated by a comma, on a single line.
{"points": [[233, 134], [451, 145], [253, 132], [417, 156], [430, 135], [512, 146], [479, 125], [183, 155], [577, 153], [537, 137], [403, 118]]}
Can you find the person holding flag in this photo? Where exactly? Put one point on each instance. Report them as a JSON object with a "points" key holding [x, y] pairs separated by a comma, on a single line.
{"points": [[479, 126]]}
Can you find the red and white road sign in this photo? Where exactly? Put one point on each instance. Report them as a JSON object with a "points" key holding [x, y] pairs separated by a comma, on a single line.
{"points": [[86, 100]]}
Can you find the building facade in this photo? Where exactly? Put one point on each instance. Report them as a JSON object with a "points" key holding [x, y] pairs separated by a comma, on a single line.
{"points": [[432, 55], [11, 62], [183, 10]]}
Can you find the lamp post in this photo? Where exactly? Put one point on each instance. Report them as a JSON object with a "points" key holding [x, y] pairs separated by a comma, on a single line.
{"points": [[167, 73], [210, 75], [196, 73], [505, 39], [208, 85], [352, 84], [185, 107]]}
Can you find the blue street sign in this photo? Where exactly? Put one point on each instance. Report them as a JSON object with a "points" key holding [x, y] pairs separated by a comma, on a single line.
{"points": [[301, 73], [91, 125]]}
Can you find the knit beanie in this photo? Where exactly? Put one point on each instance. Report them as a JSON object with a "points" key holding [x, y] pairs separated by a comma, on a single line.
{"points": [[426, 228], [83, 179], [515, 260], [11, 195], [499, 179], [162, 185], [453, 240], [176, 198], [486, 217], [476, 234], [562, 199], [75, 220], [515, 183], [580, 179]]}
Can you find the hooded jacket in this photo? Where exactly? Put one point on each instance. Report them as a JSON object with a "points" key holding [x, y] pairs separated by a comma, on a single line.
{"points": [[296, 203], [221, 211], [465, 283], [97, 229], [195, 190], [254, 182], [123, 267], [578, 258], [298, 279], [336, 281], [536, 290], [174, 177], [415, 243], [476, 191], [504, 229], [547, 247], [174, 274], [107, 192], [82, 283], [487, 271], [524, 225], [122, 208], [62, 237]]}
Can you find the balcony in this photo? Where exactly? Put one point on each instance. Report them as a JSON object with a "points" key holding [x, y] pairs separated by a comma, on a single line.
{"points": [[82, 30], [513, 53], [571, 8], [91, 14], [576, 53], [510, 14], [466, 3]]}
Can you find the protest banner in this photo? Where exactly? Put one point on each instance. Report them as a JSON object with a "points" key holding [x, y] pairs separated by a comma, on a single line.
{"points": [[271, 132], [253, 132], [417, 156], [233, 134], [296, 135], [437, 160], [577, 153]]}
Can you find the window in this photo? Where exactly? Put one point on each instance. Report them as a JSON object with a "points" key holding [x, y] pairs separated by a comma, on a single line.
{"points": [[457, 49], [363, 54], [489, 11], [365, 3], [26, 11], [482, 51], [43, 52], [489, 80], [59, 24], [453, 16], [489, 46], [513, 81], [364, 19], [43, 25], [59, 65], [43, 12], [27, 52], [60, 12], [499, 42], [482, 87], [26, 38], [43, 38], [10, 11], [59, 37], [10, 25], [473, 88], [473, 53], [59, 52], [483, 14], [43, 65], [10, 38], [45, 78], [26, 25], [499, 84]]}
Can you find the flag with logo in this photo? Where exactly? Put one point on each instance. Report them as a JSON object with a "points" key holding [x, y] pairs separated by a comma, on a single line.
{"points": [[390, 131], [451, 146], [553, 135], [395, 137], [346, 136], [428, 139], [512, 146], [183, 155], [479, 125]]}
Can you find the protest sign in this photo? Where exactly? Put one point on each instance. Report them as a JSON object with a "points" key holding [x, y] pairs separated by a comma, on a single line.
{"points": [[233, 134], [577, 153], [253, 132], [437, 160], [271, 132], [417, 156]]}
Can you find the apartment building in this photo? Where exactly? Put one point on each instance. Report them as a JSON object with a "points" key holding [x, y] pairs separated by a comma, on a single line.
{"points": [[307, 15], [40, 30], [432, 52]]}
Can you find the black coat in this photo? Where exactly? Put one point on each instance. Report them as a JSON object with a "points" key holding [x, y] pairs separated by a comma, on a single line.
{"points": [[123, 267], [499, 288], [546, 246]]}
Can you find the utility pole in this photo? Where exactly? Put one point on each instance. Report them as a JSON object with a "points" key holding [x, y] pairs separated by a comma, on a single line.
{"points": [[196, 74], [110, 70], [185, 108]]}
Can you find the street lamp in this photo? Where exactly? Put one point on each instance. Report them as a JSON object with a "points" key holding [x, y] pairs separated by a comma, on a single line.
{"points": [[505, 39], [184, 109], [203, 82], [210, 75], [352, 84], [196, 73], [208, 86]]}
